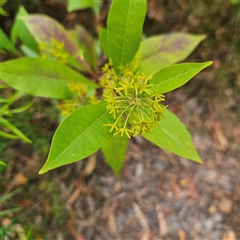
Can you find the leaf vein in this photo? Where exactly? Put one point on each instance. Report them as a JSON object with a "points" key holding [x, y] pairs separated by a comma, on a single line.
{"points": [[179, 143], [98, 119], [124, 41], [170, 79]]}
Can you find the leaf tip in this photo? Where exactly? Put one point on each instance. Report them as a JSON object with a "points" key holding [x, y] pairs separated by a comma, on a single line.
{"points": [[117, 172], [210, 63], [201, 161], [204, 36], [43, 170]]}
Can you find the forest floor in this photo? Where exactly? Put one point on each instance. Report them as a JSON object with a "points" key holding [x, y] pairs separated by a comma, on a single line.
{"points": [[158, 195]]}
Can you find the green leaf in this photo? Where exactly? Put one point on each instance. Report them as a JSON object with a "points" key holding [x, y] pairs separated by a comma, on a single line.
{"points": [[10, 195], [18, 24], [21, 109], [2, 164], [3, 12], [3, 2], [9, 211], [45, 28], [114, 151], [28, 52], [87, 45], [11, 99], [41, 77], [173, 137], [161, 51], [170, 78], [6, 43], [79, 135], [3, 100], [103, 40], [20, 31], [15, 130], [8, 135], [234, 1], [73, 5], [124, 30]]}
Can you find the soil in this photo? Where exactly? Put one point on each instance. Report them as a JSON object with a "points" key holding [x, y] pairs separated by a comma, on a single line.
{"points": [[158, 195]]}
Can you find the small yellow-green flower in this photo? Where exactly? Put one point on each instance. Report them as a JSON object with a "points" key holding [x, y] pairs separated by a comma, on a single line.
{"points": [[79, 99], [133, 102], [54, 49]]}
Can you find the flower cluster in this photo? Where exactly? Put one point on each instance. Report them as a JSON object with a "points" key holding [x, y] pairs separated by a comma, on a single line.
{"points": [[54, 50], [133, 102], [81, 97]]}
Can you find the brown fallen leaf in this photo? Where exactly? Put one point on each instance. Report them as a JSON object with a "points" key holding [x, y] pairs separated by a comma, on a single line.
{"points": [[110, 208], [181, 234], [73, 231], [230, 235], [139, 170], [73, 197], [161, 221], [111, 223], [212, 209], [216, 130], [127, 174], [145, 234], [66, 173], [88, 222], [20, 179], [117, 187], [184, 182], [193, 192], [91, 164], [220, 136], [173, 185], [25, 203], [225, 205], [47, 208], [140, 215]]}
